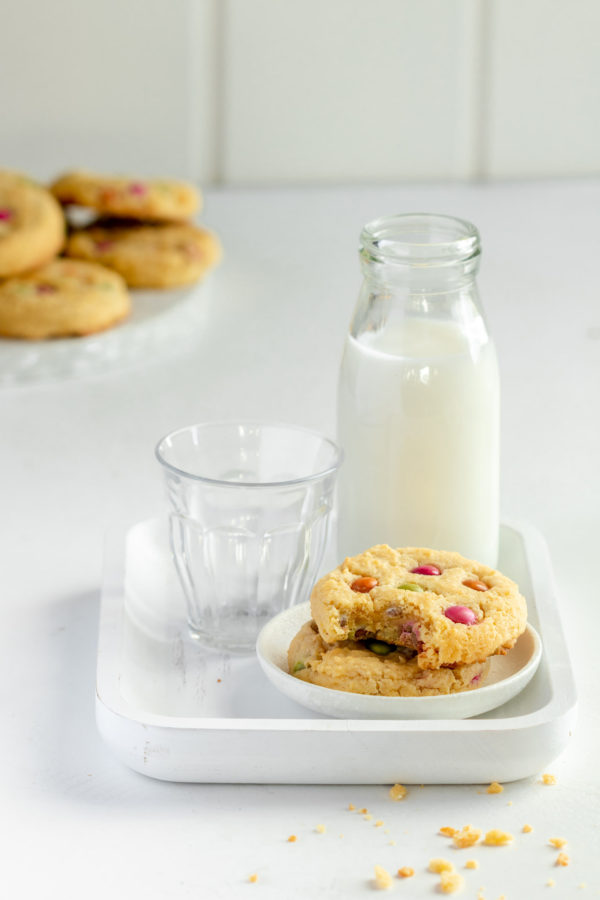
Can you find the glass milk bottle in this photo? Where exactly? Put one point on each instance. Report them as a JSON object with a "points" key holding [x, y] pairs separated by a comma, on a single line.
{"points": [[418, 397]]}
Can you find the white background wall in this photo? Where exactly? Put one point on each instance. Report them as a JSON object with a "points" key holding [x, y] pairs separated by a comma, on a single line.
{"points": [[301, 91]]}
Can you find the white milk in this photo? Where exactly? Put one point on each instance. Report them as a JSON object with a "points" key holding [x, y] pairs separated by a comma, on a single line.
{"points": [[418, 418]]}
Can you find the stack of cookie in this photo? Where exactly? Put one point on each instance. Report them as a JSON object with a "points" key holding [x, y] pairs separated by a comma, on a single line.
{"points": [[410, 622], [141, 238], [142, 230]]}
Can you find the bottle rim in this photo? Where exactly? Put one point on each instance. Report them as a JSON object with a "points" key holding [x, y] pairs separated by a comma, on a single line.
{"points": [[419, 239]]}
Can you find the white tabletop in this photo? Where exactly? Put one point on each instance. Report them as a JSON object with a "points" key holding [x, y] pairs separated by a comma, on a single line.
{"points": [[77, 455]]}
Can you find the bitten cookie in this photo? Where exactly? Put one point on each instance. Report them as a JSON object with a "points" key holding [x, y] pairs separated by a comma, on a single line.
{"points": [[372, 667], [150, 256], [147, 199], [63, 298], [32, 225], [451, 610]]}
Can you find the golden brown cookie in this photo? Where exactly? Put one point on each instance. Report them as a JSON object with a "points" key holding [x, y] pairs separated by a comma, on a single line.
{"points": [[145, 199], [452, 610], [372, 667], [148, 256], [32, 224], [63, 298]]}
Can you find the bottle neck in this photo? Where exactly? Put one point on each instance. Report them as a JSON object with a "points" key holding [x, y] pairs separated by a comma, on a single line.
{"points": [[419, 252]]}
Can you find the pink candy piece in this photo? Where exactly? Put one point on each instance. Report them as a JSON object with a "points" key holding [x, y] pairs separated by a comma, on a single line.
{"points": [[44, 288], [462, 615], [427, 570], [5, 215], [137, 187], [104, 245]]}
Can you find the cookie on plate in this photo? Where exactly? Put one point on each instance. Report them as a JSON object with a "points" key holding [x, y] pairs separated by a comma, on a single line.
{"points": [[451, 610], [63, 298], [145, 199], [32, 224], [148, 256], [373, 667]]}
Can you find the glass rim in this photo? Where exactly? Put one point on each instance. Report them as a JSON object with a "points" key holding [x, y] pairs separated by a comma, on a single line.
{"points": [[228, 423], [444, 240]]}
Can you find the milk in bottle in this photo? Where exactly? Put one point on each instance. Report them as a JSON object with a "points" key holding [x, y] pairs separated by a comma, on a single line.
{"points": [[418, 397]]}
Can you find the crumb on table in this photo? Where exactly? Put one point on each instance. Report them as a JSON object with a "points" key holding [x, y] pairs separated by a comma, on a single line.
{"points": [[253, 878], [527, 829], [439, 865], [466, 837], [557, 842], [550, 882], [450, 882], [368, 817], [447, 831], [383, 879], [406, 872], [320, 829], [494, 788], [497, 838], [351, 806], [471, 864], [548, 779], [398, 792], [562, 860], [292, 838]]}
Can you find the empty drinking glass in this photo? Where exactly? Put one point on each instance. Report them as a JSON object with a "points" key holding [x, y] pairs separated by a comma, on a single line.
{"points": [[249, 521]]}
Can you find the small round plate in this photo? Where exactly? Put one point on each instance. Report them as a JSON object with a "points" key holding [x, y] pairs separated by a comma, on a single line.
{"points": [[507, 676]]}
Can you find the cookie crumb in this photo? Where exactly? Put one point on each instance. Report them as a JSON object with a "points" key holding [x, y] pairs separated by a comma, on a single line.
{"points": [[351, 806], [509, 803], [364, 810], [218, 681], [550, 882], [383, 879], [494, 788], [467, 837], [527, 829], [398, 792], [497, 838], [447, 831], [562, 860], [368, 817], [471, 864], [548, 779], [253, 878], [378, 823], [557, 842], [320, 829], [292, 838], [439, 865], [392, 843], [406, 872], [450, 882]]}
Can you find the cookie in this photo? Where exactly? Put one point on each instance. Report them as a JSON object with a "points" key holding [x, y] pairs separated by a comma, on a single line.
{"points": [[371, 667], [451, 610], [32, 225], [145, 199], [65, 297], [150, 256]]}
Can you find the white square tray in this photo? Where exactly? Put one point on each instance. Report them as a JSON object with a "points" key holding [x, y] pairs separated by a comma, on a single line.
{"points": [[171, 710]]}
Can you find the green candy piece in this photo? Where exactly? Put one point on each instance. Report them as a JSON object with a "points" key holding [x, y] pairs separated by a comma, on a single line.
{"points": [[410, 586], [379, 647], [298, 667]]}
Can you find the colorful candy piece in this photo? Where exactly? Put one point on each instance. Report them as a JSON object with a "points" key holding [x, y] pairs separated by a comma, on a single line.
{"points": [[364, 584], [426, 570], [476, 585], [136, 187], [6, 215], [410, 586], [461, 615]]}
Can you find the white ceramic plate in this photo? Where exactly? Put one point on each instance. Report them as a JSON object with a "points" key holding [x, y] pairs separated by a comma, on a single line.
{"points": [[506, 677]]}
